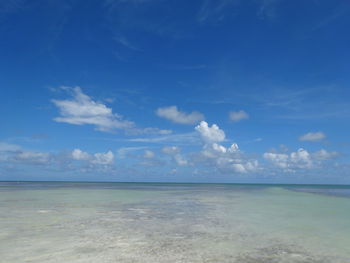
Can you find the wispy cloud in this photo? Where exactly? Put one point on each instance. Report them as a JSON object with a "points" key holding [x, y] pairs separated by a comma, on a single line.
{"points": [[267, 8], [214, 9], [186, 67], [319, 102], [32, 157], [126, 43], [180, 138], [7, 147], [236, 116], [124, 151], [10, 6], [313, 137], [340, 11]]}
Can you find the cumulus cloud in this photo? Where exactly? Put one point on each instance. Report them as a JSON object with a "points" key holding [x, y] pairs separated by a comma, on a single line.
{"points": [[301, 159], [174, 152], [97, 158], [103, 158], [294, 160], [323, 155], [173, 114], [78, 154], [210, 134], [61, 161], [312, 136], [233, 148], [236, 116], [214, 149], [225, 159], [279, 159]]}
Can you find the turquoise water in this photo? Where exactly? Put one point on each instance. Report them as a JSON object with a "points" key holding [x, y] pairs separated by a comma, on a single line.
{"points": [[121, 222]]}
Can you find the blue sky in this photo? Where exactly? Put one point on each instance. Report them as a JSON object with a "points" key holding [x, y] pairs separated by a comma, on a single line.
{"points": [[175, 91]]}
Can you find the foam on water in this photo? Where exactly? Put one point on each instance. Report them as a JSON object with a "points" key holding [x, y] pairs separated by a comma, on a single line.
{"points": [[82, 222]]}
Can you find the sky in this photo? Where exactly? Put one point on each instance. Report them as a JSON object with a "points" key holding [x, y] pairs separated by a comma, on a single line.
{"points": [[253, 91]]}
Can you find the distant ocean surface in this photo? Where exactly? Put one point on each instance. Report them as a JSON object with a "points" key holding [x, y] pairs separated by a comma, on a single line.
{"points": [[163, 222]]}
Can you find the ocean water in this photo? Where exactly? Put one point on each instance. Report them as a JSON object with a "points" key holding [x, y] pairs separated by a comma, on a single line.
{"points": [[121, 222]]}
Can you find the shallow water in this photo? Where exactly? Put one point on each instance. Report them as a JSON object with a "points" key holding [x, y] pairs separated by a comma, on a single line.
{"points": [[119, 222]]}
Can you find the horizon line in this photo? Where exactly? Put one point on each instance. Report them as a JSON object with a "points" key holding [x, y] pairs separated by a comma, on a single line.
{"points": [[157, 182]]}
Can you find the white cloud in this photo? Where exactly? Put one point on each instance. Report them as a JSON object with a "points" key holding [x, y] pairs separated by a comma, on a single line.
{"points": [[81, 109], [170, 150], [7, 147], [33, 157], [184, 138], [300, 159], [154, 131], [174, 152], [214, 149], [97, 158], [148, 154], [227, 160], [238, 167], [180, 160], [279, 159], [218, 148], [210, 134], [323, 155], [124, 151], [235, 162], [229, 164], [312, 136], [236, 116], [173, 114], [103, 158], [78, 154], [233, 148], [13, 152]]}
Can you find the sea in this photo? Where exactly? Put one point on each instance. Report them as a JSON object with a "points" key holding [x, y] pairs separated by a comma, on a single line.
{"points": [[173, 222]]}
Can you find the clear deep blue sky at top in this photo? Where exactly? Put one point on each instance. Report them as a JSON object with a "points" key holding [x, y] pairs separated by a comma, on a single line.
{"points": [[128, 90]]}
